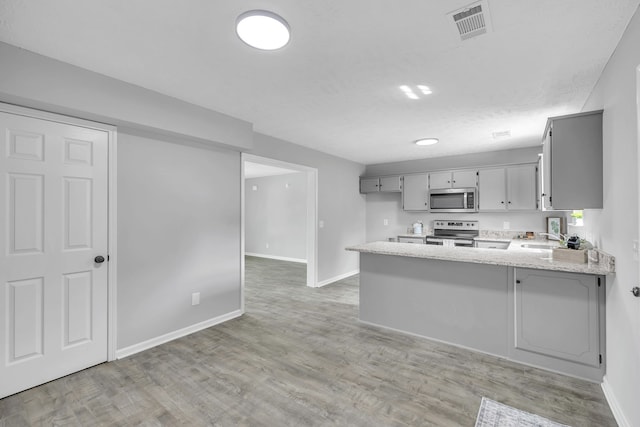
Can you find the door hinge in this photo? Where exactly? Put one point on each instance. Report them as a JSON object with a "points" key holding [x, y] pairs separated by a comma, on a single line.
{"points": [[108, 261], [598, 282], [600, 358]]}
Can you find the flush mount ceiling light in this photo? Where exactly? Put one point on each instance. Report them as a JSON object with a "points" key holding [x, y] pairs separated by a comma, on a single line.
{"points": [[426, 141], [263, 30]]}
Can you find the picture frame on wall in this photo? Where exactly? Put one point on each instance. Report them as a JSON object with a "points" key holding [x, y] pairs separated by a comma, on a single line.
{"points": [[554, 228]]}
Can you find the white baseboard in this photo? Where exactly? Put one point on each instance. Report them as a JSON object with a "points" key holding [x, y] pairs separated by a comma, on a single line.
{"points": [[336, 278], [279, 258], [618, 414], [153, 342]]}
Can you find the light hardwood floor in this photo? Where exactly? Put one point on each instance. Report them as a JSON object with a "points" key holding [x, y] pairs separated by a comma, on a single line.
{"points": [[299, 357]]}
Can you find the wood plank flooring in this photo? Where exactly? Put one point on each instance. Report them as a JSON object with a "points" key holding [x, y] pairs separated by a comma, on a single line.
{"points": [[299, 357]]}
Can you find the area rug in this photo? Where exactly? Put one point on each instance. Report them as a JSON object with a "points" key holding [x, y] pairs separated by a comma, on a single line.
{"points": [[494, 414]]}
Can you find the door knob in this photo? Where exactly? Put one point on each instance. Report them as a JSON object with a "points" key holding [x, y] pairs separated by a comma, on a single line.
{"points": [[99, 259], [636, 291]]}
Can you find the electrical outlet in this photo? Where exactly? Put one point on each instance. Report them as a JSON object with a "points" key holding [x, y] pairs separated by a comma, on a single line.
{"points": [[506, 225], [385, 221], [266, 246], [635, 250], [195, 298], [321, 224], [254, 188]]}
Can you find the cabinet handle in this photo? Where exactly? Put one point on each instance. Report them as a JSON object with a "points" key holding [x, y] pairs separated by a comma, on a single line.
{"points": [[509, 201], [502, 202], [517, 281]]}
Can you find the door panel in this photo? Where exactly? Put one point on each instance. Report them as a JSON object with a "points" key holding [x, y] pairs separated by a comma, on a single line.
{"points": [[26, 215], [25, 309], [54, 295]]}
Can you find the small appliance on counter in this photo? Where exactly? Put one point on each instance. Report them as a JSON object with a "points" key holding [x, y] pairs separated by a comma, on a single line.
{"points": [[417, 227]]}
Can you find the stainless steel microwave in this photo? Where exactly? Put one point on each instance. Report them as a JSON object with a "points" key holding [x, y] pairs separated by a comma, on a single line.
{"points": [[453, 200]]}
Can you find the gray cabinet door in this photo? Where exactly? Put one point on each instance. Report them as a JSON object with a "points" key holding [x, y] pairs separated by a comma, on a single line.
{"points": [[369, 185], [492, 190], [390, 184], [572, 154], [522, 187], [439, 180], [415, 192], [464, 179], [556, 314]]}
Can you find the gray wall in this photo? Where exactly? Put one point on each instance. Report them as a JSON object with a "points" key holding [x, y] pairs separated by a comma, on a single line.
{"points": [[490, 158], [178, 191], [275, 214], [616, 225], [340, 205], [381, 206], [33, 80], [178, 233]]}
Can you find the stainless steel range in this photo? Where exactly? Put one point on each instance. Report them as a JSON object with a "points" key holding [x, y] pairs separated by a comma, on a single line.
{"points": [[453, 233]]}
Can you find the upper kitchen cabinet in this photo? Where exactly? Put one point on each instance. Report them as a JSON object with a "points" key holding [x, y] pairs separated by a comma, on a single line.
{"points": [[572, 162], [369, 185], [415, 192], [389, 184], [453, 179], [510, 188]]}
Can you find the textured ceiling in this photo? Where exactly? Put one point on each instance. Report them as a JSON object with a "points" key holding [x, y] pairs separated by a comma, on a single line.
{"points": [[335, 87]]}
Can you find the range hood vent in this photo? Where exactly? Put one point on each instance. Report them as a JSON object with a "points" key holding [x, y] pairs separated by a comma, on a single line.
{"points": [[472, 20]]}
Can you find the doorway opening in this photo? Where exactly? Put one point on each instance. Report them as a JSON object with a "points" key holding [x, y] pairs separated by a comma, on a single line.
{"points": [[279, 211]]}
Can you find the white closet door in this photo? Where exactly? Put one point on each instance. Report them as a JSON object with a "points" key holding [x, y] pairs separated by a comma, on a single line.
{"points": [[53, 225]]}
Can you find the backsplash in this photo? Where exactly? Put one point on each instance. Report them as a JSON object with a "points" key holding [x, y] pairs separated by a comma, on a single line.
{"points": [[388, 206]]}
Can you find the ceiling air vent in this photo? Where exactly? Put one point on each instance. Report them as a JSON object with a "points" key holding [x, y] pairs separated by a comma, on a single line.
{"points": [[472, 20]]}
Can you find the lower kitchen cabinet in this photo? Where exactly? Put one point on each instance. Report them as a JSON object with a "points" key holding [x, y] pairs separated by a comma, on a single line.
{"points": [[558, 321], [549, 319]]}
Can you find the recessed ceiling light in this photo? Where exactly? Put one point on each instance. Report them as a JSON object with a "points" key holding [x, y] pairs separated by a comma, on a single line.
{"points": [[263, 30], [426, 141], [425, 89], [411, 94]]}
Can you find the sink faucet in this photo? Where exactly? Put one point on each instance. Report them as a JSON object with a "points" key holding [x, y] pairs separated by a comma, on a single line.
{"points": [[554, 237]]}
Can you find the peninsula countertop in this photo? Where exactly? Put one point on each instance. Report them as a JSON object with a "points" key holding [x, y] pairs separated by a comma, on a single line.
{"points": [[514, 256]]}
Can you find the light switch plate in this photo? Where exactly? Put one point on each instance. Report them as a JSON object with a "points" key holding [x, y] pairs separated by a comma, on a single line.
{"points": [[195, 298], [385, 221], [506, 225]]}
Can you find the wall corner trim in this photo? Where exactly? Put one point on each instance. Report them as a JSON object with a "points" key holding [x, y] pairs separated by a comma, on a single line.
{"points": [[336, 278], [153, 342], [618, 414]]}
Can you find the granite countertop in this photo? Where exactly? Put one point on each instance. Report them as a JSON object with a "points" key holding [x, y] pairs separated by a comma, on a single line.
{"points": [[515, 256]]}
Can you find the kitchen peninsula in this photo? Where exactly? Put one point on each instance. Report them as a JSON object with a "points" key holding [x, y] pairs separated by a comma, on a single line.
{"points": [[516, 303]]}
